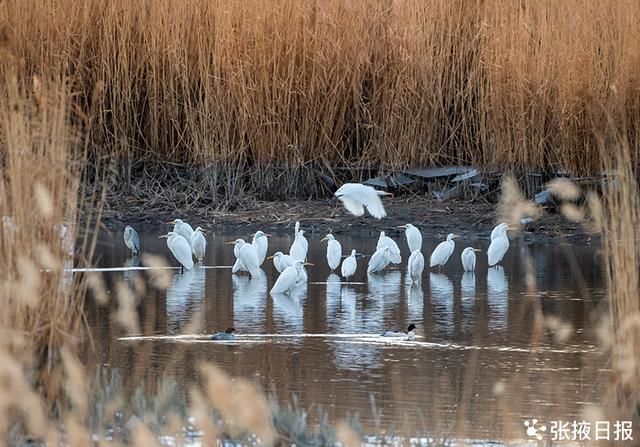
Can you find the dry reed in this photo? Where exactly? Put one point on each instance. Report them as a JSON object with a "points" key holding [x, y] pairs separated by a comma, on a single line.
{"points": [[500, 84]]}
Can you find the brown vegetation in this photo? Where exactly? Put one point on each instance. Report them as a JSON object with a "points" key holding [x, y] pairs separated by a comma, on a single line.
{"points": [[500, 84]]}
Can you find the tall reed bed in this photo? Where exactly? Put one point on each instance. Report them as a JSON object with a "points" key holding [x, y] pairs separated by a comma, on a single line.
{"points": [[386, 83]]}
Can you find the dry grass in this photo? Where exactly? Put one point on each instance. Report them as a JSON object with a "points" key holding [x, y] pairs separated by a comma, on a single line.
{"points": [[500, 84]]}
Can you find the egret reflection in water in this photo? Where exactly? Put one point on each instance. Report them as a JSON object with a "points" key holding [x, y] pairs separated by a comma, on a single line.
{"points": [[185, 293], [333, 294], [468, 300], [498, 298], [441, 289], [249, 297], [415, 301]]}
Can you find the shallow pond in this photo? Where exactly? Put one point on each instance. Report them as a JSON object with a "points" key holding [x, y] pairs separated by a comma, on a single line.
{"points": [[480, 365]]}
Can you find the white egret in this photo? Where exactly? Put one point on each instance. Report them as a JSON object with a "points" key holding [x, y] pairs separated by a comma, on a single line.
{"points": [[131, 239], [180, 249], [409, 334], [182, 228], [228, 335], [198, 243], [379, 260], [334, 251], [281, 261], [349, 265], [499, 245], [356, 197], [299, 247], [261, 243], [497, 229], [468, 257], [288, 278], [416, 266], [394, 250], [247, 255], [414, 237], [443, 251]]}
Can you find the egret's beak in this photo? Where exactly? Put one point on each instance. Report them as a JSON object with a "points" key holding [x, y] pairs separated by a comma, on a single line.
{"points": [[173, 222], [476, 249], [456, 235], [387, 194], [324, 239], [270, 257], [402, 226], [308, 263], [163, 236], [230, 243], [268, 235]]}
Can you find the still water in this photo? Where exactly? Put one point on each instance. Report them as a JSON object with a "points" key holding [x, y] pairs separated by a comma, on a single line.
{"points": [[479, 367]]}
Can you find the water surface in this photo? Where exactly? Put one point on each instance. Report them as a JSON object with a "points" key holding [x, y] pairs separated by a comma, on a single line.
{"points": [[478, 368]]}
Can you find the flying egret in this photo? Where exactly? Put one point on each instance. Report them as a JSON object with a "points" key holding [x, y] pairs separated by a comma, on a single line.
{"points": [[394, 250], [131, 240], [198, 243], [497, 229], [356, 197], [247, 254], [349, 265], [468, 257], [379, 260], [261, 243], [180, 249], [414, 237], [416, 266], [300, 246], [281, 261], [499, 245], [443, 251], [182, 228], [288, 278], [228, 335], [334, 251], [409, 334]]}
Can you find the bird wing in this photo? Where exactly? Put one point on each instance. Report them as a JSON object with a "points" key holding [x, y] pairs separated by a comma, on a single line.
{"points": [[439, 255], [352, 205], [182, 251], [372, 201], [497, 250], [285, 281], [238, 266]]}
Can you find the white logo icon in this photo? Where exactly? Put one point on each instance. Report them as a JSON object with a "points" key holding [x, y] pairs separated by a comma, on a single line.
{"points": [[533, 431]]}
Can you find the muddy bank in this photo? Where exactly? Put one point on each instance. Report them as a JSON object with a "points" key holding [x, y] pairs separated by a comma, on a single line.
{"points": [[321, 216]]}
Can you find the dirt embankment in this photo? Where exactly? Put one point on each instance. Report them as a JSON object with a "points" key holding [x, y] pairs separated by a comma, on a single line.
{"points": [[321, 216]]}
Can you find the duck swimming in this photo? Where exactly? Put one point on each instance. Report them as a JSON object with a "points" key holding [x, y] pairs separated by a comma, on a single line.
{"points": [[226, 335], [409, 334]]}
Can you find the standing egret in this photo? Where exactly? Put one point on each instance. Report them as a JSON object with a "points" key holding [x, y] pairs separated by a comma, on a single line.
{"points": [[198, 243], [409, 334], [443, 251], [247, 255], [414, 237], [261, 243], [416, 266], [281, 261], [334, 251], [379, 260], [180, 249], [299, 247], [131, 240], [468, 257], [394, 250], [182, 228], [349, 265], [497, 229], [355, 197], [499, 245], [288, 278]]}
